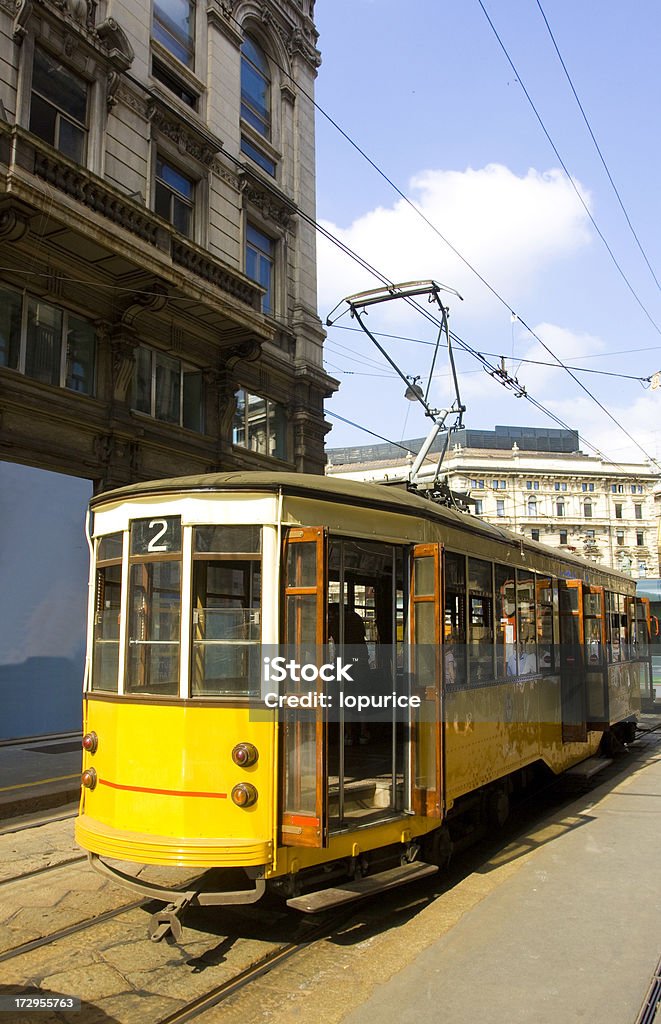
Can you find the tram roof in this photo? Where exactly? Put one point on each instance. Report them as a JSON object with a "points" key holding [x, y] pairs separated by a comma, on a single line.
{"points": [[351, 492]]}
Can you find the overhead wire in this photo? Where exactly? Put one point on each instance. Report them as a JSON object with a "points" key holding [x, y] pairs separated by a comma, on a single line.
{"points": [[591, 355], [597, 147], [520, 360], [569, 176]]}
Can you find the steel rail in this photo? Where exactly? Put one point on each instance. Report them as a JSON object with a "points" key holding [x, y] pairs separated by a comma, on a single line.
{"points": [[73, 929], [255, 971], [42, 870]]}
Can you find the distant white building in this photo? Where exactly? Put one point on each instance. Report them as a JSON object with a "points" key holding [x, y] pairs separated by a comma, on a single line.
{"points": [[536, 482]]}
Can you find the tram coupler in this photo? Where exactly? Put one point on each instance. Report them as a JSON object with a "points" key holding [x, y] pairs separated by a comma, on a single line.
{"points": [[168, 920]]}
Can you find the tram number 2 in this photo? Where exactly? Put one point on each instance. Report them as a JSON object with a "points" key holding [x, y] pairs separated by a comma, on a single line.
{"points": [[162, 529], [156, 536]]}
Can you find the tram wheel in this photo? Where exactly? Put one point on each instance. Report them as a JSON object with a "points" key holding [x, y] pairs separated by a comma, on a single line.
{"points": [[498, 807]]}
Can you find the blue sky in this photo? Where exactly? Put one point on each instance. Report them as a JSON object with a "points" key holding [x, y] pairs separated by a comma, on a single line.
{"points": [[426, 90]]}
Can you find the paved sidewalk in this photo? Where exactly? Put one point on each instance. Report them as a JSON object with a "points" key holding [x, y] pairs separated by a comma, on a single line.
{"points": [[39, 773], [573, 936]]}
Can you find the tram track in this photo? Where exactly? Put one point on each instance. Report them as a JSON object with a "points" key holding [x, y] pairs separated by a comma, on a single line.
{"points": [[45, 869], [72, 929], [270, 961], [23, 826]]}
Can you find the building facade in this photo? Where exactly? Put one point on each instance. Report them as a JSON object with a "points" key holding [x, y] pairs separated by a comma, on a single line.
{"points": [[538, 483], [157, 192], [158, 273]]}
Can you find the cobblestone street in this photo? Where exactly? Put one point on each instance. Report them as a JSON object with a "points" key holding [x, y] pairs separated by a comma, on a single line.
{"points": [[96, 946]]}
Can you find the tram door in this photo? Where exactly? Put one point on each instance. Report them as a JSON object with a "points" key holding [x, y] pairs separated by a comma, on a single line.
{"points": [[572, 676], [425, 723], [304, 747], [641, 632], [367, 731], [594, 654]]}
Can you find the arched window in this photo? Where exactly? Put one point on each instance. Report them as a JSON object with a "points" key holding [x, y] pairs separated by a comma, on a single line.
{"points": [[255, 87]]}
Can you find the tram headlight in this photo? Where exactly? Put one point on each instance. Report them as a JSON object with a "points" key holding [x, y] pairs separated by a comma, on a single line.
{"points": [[245, 755], [90, 742], [244, 795], [88, 778]]}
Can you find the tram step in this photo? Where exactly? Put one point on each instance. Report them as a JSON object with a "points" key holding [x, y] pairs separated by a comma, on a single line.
{"points": [[590, 767], [356, 794], [315, 902]]}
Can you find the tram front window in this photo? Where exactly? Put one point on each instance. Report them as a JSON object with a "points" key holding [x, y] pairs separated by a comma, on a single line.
{"points": [[154, 611], [226, 611], [107, 601]]}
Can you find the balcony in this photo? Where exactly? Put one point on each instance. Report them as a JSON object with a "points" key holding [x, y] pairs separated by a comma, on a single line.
{"points": [[68, 212]]}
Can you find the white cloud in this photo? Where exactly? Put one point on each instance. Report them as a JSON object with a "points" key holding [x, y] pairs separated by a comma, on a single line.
{"points": [[511, 228], [517, 231]]}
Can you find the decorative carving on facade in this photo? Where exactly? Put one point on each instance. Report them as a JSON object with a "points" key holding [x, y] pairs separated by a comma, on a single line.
{"points": [[148, 301], [22, 13], [301, 45], [117, 43], [224, 173], [95, 194], [246, 351], [226, 406], [219, 13], [123, 363], [272, 207], [185, 140], [111, 450], [131, 99], [113, 78], [205, 266], [13, 225]]}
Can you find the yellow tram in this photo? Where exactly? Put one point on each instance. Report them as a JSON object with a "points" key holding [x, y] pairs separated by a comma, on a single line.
{"points": [[233, 619]]}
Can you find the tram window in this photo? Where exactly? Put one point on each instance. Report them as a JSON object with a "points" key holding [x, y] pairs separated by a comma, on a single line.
{"points": [[568, 600], [639, 633], [617, 628], [455, 616], [592, 629], [228, 539], [526, 625], [480, 620], [154, 616], [156, 537], [505, 618], [107, 601], [226, 601], [547, 622], [612, 627], [110, 548], [302, 566]]}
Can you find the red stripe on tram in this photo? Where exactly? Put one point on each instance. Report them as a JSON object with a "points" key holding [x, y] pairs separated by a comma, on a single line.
{"points": [[160, 792], [302, 820]]}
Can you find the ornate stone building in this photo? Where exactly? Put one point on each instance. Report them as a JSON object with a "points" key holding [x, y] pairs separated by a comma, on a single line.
{"points": [[157, 263], [157, 191], [538, 483]]}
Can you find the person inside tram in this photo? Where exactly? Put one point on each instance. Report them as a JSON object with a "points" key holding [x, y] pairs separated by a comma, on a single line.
{"points": [[521, 660]]}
